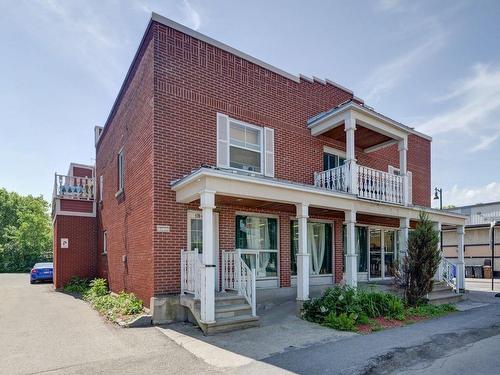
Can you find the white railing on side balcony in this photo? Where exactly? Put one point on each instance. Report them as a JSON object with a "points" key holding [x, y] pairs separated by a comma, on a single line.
{"points": [[191, 266], [236, 275], [448, 273], [380, 186], [332, 179], [74, 187]]}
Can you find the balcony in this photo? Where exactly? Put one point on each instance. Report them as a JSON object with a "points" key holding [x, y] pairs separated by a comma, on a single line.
{"points": [[71, 187], [366, 183], [365, 131]]}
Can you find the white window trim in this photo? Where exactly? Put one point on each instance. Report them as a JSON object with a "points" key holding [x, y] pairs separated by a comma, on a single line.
{"points": [[261, 140], [121, 171], [334, 151], [101, 187], [105, 242]]}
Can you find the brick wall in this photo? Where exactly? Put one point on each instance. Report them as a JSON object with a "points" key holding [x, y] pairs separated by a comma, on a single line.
{"points": [[79, 259], [194, 81], [127, 218]]}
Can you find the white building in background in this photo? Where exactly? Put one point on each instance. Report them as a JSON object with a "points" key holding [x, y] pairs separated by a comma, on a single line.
{"points": [[478, 234]]}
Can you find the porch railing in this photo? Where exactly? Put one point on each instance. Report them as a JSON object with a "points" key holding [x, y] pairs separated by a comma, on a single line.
{"points": [[74, 187], [449, 273], [332, 179], [236, 275], [380, 186], [371, 183], [191, 266]]}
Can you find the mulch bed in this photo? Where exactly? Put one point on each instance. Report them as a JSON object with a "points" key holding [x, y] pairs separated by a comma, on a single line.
{"points": [[381, 323]]}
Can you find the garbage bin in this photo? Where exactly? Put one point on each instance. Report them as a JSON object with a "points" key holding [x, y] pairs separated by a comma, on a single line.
{"points": [[487, 272], [478, 272], [469, 272]]}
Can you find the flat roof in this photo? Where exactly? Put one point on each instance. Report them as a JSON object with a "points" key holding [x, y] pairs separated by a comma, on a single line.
{"points": [[473, 205]]}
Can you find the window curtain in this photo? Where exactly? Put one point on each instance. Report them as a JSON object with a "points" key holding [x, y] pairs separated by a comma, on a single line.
{"points": [[316, 245]]}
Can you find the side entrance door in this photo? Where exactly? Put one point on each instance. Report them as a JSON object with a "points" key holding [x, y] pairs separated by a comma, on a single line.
{"points": [[195, 238]]}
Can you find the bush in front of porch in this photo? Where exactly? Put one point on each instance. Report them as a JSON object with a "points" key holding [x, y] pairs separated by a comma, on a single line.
{"points": [[348, 309]]}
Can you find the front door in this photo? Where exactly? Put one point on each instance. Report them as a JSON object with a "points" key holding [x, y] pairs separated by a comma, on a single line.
{"points": [[376, 258], [195, 238]]}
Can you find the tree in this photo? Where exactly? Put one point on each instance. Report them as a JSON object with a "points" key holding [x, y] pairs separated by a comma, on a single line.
{"points": [[420, 264], [25, 231]]}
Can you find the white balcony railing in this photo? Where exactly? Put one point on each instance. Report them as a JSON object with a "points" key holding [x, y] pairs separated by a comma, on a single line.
{"points": [[236, 275], [74, 187], [380, 186], [367, 183], [449, 273]]}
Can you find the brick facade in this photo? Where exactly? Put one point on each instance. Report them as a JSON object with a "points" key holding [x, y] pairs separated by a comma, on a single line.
{"points": [[165, 120], [79, 259]]}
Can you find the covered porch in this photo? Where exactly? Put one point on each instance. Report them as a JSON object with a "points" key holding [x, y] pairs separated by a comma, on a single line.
{"points": [[213, 187]]}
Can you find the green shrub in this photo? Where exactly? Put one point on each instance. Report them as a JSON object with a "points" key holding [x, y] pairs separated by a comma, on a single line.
{"points": [[98, 288], [116, 305], [342, 322], [77, 285]]}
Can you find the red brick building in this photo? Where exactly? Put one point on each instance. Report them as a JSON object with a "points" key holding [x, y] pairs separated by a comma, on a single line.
{"points": [[256, 178]]}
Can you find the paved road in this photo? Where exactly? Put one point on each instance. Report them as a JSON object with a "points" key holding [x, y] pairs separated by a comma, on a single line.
{"points": [[43, 331], [443, 344]]}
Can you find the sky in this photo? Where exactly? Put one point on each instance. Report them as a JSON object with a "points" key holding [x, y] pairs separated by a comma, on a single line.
{"points": [[428, 64]]}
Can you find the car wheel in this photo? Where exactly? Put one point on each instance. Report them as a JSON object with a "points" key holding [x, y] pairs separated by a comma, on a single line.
{"points": [[32, 281]]}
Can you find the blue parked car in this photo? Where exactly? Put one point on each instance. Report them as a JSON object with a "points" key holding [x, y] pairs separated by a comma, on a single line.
{"points": [[41, 272]]}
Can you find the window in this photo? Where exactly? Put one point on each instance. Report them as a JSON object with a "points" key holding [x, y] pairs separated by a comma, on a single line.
{"points": [[361, 247], [245, 147], [105, 242], [257, 238], [319, 246], [101, 187], [195, 232], [331, 161], [121, 171]]}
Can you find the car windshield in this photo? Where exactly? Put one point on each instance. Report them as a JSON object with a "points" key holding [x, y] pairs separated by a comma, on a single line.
{"points": [[43, 265]]}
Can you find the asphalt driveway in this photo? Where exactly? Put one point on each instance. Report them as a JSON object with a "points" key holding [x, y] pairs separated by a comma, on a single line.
{"points": [[43, 331]]}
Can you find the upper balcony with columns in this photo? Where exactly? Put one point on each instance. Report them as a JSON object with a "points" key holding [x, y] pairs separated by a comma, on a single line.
{"points": [[365, 131]]}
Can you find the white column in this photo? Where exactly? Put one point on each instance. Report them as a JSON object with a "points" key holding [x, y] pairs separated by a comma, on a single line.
{"points": [[404, 227], [207, 308], [437, 227], [403, 168], [350, 128], [303, 255], [460, 262], [351, 266]]}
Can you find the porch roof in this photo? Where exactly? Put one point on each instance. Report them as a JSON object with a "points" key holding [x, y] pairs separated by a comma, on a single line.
{"points": [[242, 185], [374, 126]]}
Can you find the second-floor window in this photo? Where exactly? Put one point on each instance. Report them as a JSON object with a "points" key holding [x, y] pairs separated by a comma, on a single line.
{"points": [[331, 161], [245, 146], [121, 170]]}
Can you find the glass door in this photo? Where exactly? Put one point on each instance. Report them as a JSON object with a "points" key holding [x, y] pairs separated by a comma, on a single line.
{"points": [[376, 259], [389, 253]]}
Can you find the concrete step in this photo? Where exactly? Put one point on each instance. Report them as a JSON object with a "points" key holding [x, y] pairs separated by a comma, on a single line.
{"points": [[442, 298], [232, 324], [230, 310], [229, 299], [437, 287]]}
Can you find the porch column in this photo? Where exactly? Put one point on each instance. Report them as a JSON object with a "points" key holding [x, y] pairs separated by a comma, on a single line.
{"points": [[437, 227], [303, 255], [403, 169], [351, 266], [207, 297], [460, 262], [404, 227], [350, 128]]}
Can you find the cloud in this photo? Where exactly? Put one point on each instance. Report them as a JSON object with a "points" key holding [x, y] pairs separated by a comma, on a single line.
{"points": [[390, 74], [192, 15], [472, 195], [484, 143], [388, 5], [474, 105]]}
